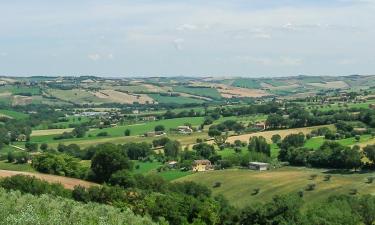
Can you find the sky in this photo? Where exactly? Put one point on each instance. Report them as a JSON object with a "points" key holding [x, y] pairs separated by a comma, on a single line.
{"points": [[249, 38]]}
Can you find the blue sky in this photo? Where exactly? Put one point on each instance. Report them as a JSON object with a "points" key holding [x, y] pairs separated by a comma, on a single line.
{"points": [[249, 38]]}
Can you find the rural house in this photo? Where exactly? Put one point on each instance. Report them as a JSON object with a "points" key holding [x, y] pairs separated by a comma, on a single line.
{"points": [[260, 125], [184, 130], [202, 165], [258, 166], [21, 137]]}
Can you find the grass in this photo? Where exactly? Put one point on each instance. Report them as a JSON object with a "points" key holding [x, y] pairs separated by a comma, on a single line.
{"points": [[316, 142], [175, 100], [146, 167], [20, 90], [4, 165], [200, 91], [237, 185], [135, 129], [174, 174], [13, 114]]}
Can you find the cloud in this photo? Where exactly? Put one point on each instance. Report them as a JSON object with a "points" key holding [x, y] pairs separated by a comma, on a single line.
{"points": [[178, 43], [187, 27], [277, 61], [94, 57]]}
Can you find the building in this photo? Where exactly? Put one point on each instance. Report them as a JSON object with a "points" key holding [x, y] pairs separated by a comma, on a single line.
{"points": [[260, 125], [21, 137], [184, 130], [371, 106], [202, 165], [172, 164], [258, 166], [154, 133]]}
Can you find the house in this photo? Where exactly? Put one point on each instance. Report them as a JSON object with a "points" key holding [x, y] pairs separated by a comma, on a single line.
{"points": [[149, 118], [21, 137], [172, 164], [258, 166], [154, 133], [184, 130], [260, 125], [202, 165]]}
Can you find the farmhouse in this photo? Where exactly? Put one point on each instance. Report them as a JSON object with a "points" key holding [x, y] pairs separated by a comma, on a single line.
{"points": [[202, 165], [258, 166], [260, 125], [184, 130], [154, 133], [21, 137]]}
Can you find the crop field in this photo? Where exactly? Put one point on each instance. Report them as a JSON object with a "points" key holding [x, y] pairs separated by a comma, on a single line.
{"points": [[247, 83], [237, 185], [175, 100], [268, 134], [78, 96], [200, 91]]}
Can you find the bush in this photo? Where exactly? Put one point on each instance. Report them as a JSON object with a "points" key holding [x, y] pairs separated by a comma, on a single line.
{"points": [[310, 187], [217, 184], [327, 177]]}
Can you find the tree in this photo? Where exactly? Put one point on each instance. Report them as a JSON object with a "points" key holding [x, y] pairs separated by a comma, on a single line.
{"points": [[44, 146], [204, 150], [259, 144], [137, 151], [369, 151], [172, 148], [123, 178], [31, 146], [276, 138], [159, 128], [108, 160], [127, 132]]}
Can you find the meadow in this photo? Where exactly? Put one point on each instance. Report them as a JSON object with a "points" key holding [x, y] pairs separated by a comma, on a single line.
{"points": [[13, 114], [238, 185]]}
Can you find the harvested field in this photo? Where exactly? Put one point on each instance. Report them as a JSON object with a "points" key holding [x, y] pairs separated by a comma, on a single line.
{"points": [[268, 134], [333, 84], [67, 182], [50, 132], [21, 100], [230, 92], [121, 97]]}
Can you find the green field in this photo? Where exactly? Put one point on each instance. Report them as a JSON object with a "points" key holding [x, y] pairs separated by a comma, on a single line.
{"points": [[135, 129], [316, 142], [200, 91], [16, 90], [247, 83], [237, 185], [13, 114], [175, 100], [4, 165]]}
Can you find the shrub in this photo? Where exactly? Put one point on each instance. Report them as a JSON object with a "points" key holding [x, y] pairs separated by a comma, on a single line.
{"points": [[216, 184], [327, 177], [310, 187]]}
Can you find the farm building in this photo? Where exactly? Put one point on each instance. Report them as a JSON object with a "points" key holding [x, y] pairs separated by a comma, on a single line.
{"points": [[258, 166], [172, 164], [202, 165], [184, 130], [154, 133], [260, 125], [21, 137]]}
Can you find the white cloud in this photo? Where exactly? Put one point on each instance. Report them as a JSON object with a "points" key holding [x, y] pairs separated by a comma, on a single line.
{"points": [[187, 27], [94, 57], [178, 43]]}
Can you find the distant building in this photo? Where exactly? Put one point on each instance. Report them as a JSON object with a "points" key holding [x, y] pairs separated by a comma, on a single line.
{"points": [[21, 137], [172, 164], [202, 165], [260, 125], [258, 166], [149, 118], [184, 130], [154, 133]]}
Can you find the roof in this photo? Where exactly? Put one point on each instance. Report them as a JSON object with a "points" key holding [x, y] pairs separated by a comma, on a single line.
{"points": [[202, 161], [258, 163]]}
